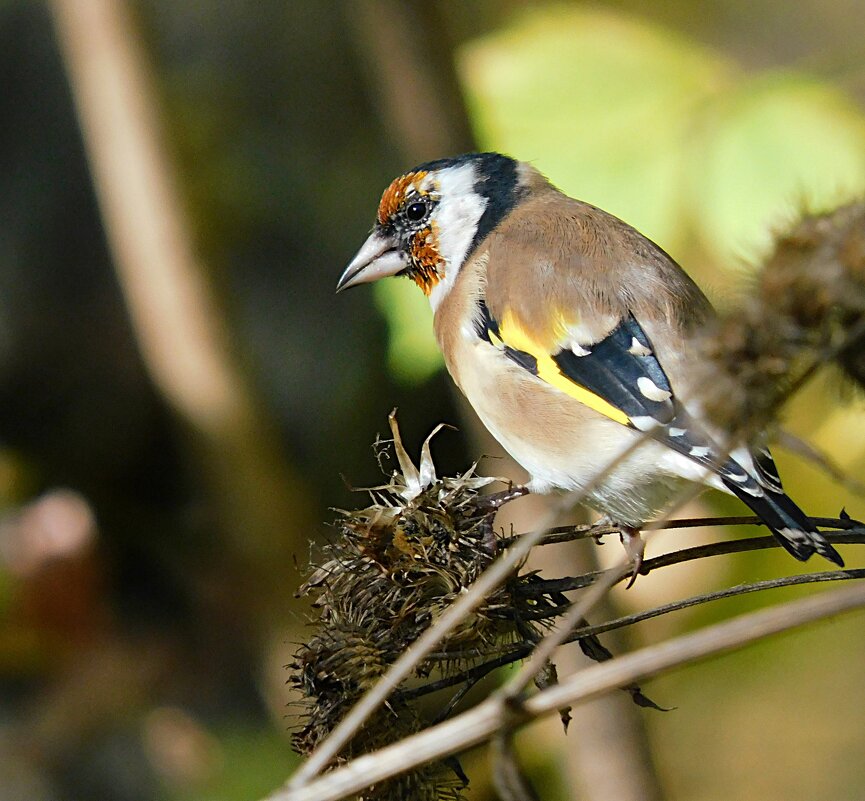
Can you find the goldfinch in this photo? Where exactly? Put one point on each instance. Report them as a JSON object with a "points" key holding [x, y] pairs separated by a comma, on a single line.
{"points": [[571, 334]]}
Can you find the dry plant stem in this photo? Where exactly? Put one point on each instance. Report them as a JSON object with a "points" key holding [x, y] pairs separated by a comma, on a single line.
{"points": [[738, 546], [481, 722], [844, 537], [578, 611], [479, 671], [728, 592], [569, 533], [508, 779], [491, 578]]}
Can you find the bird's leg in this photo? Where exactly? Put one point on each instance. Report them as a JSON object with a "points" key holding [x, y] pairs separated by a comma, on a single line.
{"points": [[634, 548], [491, 505], [630, 538]]}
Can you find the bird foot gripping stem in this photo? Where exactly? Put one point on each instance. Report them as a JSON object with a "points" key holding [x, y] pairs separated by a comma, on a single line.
{"points": [[635, 548], [491, 505]]}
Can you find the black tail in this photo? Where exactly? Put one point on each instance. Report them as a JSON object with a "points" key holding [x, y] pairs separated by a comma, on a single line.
{"points": [[788, 523]]}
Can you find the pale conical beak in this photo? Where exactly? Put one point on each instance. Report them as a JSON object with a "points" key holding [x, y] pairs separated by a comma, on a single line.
{"points": [[377, 258]]}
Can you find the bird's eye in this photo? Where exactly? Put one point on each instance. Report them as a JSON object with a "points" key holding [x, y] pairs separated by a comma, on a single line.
{"points": [[416, 211]]}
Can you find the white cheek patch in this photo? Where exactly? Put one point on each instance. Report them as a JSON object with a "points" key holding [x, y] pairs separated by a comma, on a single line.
{"points": [[456, 219]]}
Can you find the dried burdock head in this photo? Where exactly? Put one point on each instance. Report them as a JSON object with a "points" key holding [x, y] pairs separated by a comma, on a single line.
{"points": [[808, 309], [392, 568]]}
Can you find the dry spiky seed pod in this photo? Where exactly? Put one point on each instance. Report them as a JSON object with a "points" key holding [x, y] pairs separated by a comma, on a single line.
{"points": [[808, 308], [393, 567]]}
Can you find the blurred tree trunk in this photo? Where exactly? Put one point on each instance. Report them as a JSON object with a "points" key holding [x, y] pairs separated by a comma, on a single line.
{"points": [[179, 324], [408, 58], [408, 55]]}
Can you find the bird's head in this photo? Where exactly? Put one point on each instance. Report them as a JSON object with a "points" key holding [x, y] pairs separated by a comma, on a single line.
{"points": [[431, 218]]}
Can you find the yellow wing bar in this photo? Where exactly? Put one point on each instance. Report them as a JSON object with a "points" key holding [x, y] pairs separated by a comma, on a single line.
{"points": [[513, 335]]}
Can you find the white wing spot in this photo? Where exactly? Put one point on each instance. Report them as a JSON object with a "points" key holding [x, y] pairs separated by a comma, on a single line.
{"points": [[795, 534], [644, 422], [579, 350], [459, 210], [651, 390], [677, 432], [699, 451], [638, 348]]}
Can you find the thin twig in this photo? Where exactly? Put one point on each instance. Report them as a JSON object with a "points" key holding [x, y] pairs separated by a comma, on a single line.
{"points": [[727, 592], [569, 583], [577, 613], [543, 651], [477, 672], [855, 535], [481, 722], [561, 534]]}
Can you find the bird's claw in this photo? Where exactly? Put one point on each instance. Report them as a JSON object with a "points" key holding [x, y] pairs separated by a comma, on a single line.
{"points": [[635, 549], [490, 504], [489, 541]]}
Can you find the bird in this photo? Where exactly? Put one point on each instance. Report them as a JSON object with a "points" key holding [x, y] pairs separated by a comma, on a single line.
{"points": [[573, 337]]}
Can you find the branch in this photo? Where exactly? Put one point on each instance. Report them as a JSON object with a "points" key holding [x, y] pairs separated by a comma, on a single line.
{"points": [[477, 672], [854, 535], [561, 534], [480, 723]]}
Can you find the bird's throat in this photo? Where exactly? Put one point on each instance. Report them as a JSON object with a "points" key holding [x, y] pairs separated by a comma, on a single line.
{"points": [[426, 277]]}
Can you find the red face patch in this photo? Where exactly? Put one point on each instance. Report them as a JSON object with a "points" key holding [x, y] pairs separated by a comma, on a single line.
{"points": [[427, 267], [394, 196]]}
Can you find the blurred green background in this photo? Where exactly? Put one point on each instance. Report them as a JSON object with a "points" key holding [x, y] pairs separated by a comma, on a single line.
{"points": [[147, 567]]}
